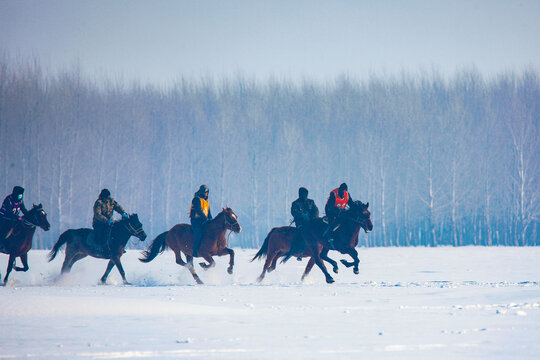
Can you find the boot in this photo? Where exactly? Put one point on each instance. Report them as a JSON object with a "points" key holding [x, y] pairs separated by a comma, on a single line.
{"points": [[327, 235]]}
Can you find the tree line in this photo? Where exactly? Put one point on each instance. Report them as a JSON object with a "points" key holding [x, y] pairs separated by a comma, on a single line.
{"points": [[442, 160]]}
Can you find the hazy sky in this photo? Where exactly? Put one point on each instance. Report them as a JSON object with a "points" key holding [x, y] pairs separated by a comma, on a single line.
{"points": [[159, 41]]}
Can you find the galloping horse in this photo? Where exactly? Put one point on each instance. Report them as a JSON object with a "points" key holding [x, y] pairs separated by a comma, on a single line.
{"points": [[278, 242], [82, 242], [213, 242], [346, 236], [20, 241]]}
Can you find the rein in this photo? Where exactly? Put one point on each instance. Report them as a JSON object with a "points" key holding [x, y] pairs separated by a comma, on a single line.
{"points": [[231, 225], [133, 232], [28, 223]]}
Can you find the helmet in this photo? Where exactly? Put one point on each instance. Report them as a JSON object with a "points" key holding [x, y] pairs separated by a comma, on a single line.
{"points": [[343, 187]]}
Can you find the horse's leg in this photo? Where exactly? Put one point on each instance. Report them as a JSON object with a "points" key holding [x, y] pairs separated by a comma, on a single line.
{"points": [[68, 259], [211, 262], [320, 264], [11, 261], [226, 251], [271, 259], [24, 260], [118, 264], [74, 258], [324, 256], [192, 269], [309, 266], [110, 266], [274, 263], [354, 254], [179, 260]]}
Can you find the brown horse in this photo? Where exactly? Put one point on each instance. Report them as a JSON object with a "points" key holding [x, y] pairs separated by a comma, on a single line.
{"points": [[278, 242], [82, 243], [213, 242], [20, 241]]}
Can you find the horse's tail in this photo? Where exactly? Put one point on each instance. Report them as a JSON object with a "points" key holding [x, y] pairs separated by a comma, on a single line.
{"points": [[61, 241], [157, 247], [264, 248]]}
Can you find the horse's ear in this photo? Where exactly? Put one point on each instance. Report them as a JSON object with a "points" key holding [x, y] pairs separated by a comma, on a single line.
{"points": [[367, 204]]}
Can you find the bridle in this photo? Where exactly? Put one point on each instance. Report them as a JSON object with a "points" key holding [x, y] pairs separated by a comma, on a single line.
{"points": [[231, 224], [132, 230], [360, 219]]}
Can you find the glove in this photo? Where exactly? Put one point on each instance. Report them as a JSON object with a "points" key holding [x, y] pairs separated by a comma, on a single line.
{"points": [[20, 218], [109, 222], [125, 216]]}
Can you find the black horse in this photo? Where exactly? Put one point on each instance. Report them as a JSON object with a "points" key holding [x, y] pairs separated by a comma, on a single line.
{"points": [[82, 242], [346, 235], [19, 240]]}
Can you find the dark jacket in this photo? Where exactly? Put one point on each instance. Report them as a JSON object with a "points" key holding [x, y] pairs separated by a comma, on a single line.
{"points": [[303, 210], [11, 208], [103, 210]]}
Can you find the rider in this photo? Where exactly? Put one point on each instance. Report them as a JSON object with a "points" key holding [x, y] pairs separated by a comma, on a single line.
{"points": [[199, 214], [338, 201], [10, 212], [303, 211], [104, 207]]}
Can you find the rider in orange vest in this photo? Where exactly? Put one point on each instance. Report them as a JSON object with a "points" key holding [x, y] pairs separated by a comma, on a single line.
{"points": [[338, 201], [199, 214]]}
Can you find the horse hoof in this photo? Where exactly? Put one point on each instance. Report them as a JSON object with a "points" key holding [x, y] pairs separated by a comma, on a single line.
{"points": [[127, 283], [356, 271], [330, 281], [335, 270], [230, 270]]}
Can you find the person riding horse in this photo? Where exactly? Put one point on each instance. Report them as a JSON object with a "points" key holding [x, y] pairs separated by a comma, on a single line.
{"points": [[199, 214], [338, 201], [104, 207], [303, 211], [10, 212]]}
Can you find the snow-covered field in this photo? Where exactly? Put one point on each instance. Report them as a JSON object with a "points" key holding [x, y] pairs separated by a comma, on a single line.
{"points": [[407, 303]]}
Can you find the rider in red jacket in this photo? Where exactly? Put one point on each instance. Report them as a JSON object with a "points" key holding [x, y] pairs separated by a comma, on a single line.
{"points": [[338, 201]]}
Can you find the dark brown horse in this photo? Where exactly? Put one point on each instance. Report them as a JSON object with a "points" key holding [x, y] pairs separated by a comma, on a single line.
{"points": [[213, 242], [19, 242], [278, 242], [82, 243]]}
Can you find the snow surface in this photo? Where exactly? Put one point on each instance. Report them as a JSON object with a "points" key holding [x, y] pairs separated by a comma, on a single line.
{"points": [[406, 303]]}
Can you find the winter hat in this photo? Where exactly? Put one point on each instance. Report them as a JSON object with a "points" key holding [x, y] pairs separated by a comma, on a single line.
{"points": [[105, 193]]}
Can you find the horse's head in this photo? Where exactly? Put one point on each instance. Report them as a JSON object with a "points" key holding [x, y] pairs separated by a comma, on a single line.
{"points": [[135, 227], [231, 220], [38, 217], [359, 213]]}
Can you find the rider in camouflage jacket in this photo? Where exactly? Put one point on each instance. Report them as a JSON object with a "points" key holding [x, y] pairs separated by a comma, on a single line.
{"points": [[104, 207]]}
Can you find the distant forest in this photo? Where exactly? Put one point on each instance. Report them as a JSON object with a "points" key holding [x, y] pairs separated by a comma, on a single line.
{"points": [[441, 160]]}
